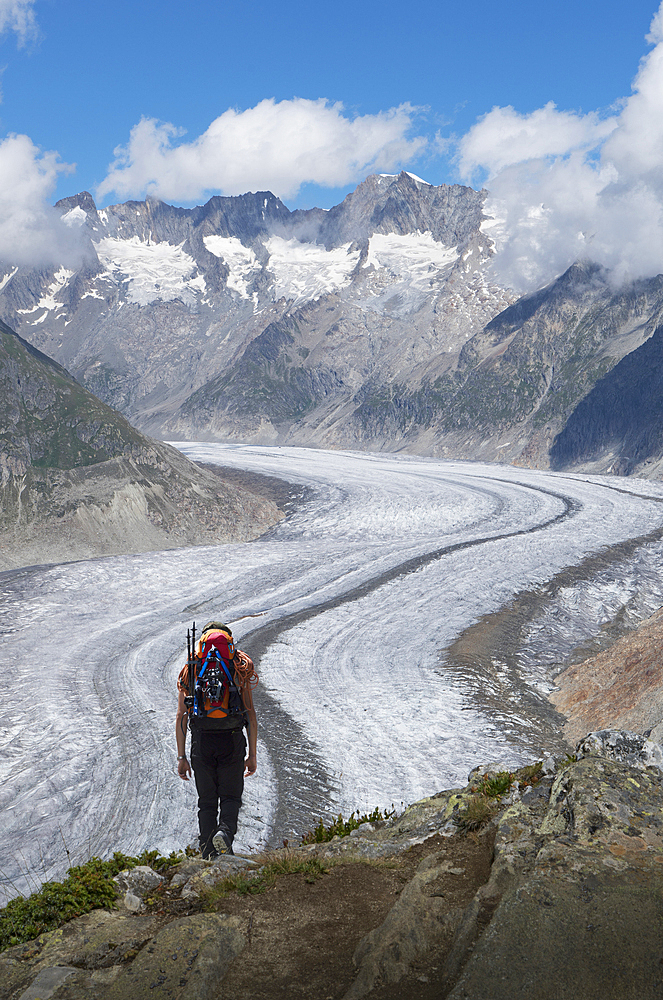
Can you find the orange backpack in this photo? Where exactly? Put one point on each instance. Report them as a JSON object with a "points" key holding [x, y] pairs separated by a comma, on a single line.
{"points": [[219, 679]]}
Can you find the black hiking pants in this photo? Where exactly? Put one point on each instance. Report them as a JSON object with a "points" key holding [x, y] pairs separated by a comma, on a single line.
{"points": [[217, 759]]}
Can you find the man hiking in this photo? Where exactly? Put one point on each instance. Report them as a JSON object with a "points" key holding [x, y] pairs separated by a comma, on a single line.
{"points": [[217, 702]]}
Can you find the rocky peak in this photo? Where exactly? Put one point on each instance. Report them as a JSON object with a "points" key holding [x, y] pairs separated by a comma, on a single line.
{"points": [[244, 217], [83, 200], [401, 204]]}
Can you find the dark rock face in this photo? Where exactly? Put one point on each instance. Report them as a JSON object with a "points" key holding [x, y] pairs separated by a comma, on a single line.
{"points": [[246, 216], [622, 415]]}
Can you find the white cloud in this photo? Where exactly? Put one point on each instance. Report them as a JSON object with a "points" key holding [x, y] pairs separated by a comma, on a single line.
{"points": [[31, 230], [273, 146], [564, 185], [504, 137], [656, 28], [18, 16]]}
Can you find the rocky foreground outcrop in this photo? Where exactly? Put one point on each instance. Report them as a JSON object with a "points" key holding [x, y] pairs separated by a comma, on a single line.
{"points": [[570, 908]]}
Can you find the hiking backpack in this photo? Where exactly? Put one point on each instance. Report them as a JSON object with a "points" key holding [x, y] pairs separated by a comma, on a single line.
{"points": [[214, 700]]}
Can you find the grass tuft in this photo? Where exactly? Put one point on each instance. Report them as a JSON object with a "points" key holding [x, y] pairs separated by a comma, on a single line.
{"points": [[479, 810], [256, 881], [342, 828]]}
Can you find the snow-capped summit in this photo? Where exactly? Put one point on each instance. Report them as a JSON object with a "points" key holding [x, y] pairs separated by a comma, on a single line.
{"points": [[169, 300]]}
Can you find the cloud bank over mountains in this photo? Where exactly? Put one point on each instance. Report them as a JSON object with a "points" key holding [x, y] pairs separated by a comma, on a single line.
{"points": [[31, 229], [274, 147], [562, 184]]}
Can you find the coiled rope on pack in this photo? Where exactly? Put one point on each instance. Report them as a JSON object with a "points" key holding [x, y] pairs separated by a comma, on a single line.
{"points": [[246, 677]]}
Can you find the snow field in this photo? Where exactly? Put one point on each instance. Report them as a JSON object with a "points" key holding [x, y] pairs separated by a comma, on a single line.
{"points": [[153, 271], [48, 302], [305, 271], [241, 261], [302, 272], [413, 257]]}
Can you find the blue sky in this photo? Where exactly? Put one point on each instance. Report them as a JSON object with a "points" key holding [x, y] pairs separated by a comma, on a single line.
{"points": [[90, 71], [556, 109]]}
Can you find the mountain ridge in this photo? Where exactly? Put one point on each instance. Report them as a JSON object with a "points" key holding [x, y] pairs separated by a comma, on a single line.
{"points": [[167, 299], [375, 325]]}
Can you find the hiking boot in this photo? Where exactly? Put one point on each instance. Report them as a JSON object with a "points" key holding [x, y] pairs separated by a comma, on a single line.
{"points": [[222, 841], [210, 854]]}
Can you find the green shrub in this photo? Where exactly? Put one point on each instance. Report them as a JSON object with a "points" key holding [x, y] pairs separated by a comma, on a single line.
{"points": [[481, 806], [86, 887], [496, 785], [342, 828], [493, 786]]}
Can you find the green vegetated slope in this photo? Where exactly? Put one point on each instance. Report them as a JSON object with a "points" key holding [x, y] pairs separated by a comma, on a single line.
{"points": [[48, 420], [77, 480]]}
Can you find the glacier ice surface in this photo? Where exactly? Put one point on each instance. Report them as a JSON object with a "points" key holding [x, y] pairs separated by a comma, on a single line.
{"points": [[384, 563]]}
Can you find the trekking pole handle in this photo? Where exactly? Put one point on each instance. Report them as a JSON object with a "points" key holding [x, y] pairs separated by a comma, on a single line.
{"points": [[192, 661]]}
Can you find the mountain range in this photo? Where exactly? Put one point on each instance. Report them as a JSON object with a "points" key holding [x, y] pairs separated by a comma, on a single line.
{"points": [[374, 325]]}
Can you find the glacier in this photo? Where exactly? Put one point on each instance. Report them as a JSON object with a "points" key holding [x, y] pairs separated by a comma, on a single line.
{"points": [[153, 271], [349, 608]]}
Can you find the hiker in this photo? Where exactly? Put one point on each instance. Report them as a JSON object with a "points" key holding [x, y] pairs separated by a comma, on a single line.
{"points": [[217, 706]]}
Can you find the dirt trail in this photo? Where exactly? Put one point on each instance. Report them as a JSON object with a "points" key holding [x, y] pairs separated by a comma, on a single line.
{"points": [[303, 934]]}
